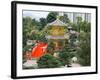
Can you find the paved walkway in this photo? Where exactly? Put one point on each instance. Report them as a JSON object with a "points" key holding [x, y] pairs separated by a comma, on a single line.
{"points": [[75, 65], [30, 63], [33, 63]]}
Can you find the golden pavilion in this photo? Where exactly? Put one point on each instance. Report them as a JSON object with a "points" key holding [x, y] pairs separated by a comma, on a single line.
{"points": [[58, 33]]}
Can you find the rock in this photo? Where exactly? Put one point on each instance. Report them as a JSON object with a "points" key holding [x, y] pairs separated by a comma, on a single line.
{"points": [[30, 63]]}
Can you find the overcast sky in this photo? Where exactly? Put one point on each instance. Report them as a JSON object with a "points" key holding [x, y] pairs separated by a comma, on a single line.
{"points": [[35, 14], [43, 14]]}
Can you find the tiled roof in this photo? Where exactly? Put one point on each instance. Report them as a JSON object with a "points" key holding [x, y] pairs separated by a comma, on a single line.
{"points": [[57, 22]]}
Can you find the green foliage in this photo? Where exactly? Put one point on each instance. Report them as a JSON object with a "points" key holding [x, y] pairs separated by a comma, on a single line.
{"points": [[51, 17], [74, 26], [48, 61], [35, 22], [27, 28], [36, 30], [42, 38], [84, 50], [26, 48], [50, 48], [66, 54], [85, 26], [31, 29], [73, 38], [39, 24], [84, 53], [27, 22], [65, 18], [43, 23], [81, 25], [79, 19]]}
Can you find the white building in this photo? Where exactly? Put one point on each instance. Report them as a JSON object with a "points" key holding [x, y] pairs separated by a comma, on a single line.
{"points": [[73, 16]]}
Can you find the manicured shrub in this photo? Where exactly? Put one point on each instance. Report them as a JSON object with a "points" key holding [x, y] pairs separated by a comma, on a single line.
{"points": [[49, 61]]}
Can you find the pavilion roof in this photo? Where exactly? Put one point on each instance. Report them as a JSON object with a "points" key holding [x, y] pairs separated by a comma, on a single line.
{"points": [[57, 22]]}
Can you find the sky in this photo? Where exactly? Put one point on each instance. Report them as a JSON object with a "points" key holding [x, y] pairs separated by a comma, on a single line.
{"points": [[35, 14], [43, 14]]}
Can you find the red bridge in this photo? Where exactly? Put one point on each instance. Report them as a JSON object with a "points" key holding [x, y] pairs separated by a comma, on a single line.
{"points": [[39, 50]]}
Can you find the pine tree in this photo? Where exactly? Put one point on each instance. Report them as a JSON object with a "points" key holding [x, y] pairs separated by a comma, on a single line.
{"points": [[49, 61], [66, 54]]}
